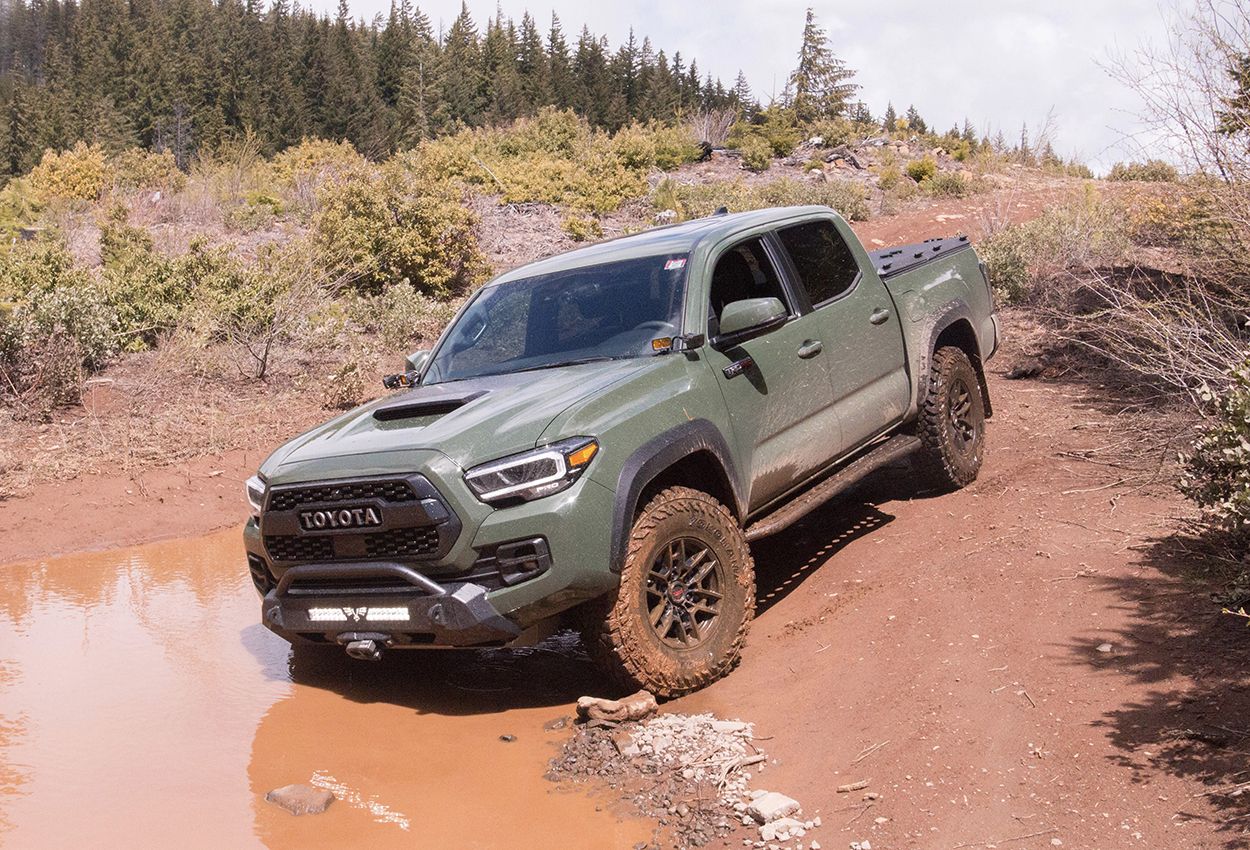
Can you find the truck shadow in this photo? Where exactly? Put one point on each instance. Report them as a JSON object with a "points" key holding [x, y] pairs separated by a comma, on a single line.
{"points": [[558, 671], [1193, 724]]}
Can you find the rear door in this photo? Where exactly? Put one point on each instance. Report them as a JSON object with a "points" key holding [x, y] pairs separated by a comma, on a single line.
{"points": [[776, 386], [857, 320]]}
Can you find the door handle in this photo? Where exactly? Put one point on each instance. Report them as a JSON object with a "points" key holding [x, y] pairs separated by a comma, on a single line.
{"points": [[879, 316], [810, 349]]}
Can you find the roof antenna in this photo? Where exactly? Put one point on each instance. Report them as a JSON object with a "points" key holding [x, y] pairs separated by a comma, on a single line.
{"points": [[721, 211]]}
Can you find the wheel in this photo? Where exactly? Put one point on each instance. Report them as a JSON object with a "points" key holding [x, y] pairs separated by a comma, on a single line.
{"points": [[952, 422], [679, 620]]}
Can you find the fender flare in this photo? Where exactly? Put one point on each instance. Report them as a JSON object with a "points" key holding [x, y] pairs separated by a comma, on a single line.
{"points": [[652, 458], [935, 325]]}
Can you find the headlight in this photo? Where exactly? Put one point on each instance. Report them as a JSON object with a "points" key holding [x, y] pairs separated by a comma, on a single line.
{"points": [[534, 474], [256, 489]]}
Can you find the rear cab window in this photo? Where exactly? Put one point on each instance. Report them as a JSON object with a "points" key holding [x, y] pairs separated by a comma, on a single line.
{"points": [[824, 263]]}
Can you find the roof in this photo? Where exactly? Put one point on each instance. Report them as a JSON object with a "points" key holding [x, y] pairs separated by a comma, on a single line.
{"points": [[673, 239]]}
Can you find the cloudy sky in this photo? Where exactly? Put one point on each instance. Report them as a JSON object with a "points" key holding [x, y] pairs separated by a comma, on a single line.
{"points": [[999, 63]]}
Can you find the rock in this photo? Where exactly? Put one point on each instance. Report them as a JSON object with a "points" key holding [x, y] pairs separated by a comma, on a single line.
{"points": [[772, 806], [666, 217], [728, 726], [1104, 647], [816, 820], [300, 799], [1026, 369], [507, 739], [626, 745], [903, 150], [757, 793], [554, 725], [815, 845], [816, 141], [635, 707]]}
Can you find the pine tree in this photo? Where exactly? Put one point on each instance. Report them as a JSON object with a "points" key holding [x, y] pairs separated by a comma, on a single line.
{"points": [[820, 85], [534, 67], [562, 85], [862, 114], [915, 123], [889, 121]]}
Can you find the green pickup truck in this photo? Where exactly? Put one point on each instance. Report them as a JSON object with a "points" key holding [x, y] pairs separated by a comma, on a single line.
{"points": [[597, 437]]}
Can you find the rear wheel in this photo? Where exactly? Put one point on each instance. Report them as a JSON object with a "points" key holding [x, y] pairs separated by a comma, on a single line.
{"points": [[952, 422], [679, 620]]}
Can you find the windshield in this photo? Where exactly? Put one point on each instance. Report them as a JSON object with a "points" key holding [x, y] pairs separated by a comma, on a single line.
{"points": [[606, 312]]}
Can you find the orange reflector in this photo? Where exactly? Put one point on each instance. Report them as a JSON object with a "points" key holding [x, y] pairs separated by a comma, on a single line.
{"points": [[662, 344], [581, 457]]}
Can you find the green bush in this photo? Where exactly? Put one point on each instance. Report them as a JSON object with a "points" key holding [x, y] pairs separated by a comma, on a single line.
{"points": [[1007, 262], [78, 313], [1216, 469], [757, 154], [380, 224], [889, 177], [702, 200], [922, 169], [950, 185], [39, 264], [401, 316], [79, 174], [1152, 171], [582, 229], [135, 168]]}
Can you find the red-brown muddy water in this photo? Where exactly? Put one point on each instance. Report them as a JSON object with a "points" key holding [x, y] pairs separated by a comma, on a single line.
{"points": [[142, 705]]}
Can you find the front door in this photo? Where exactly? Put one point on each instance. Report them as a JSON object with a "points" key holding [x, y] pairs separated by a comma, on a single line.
{"points": [[776, 386]]}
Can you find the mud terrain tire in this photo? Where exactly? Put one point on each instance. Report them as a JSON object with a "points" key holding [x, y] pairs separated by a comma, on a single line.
{"points": [[952, 422], [679, 620]]}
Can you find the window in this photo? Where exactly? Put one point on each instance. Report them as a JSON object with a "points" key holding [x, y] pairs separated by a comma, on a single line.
{"points": [[744, 271], [824, 261]]}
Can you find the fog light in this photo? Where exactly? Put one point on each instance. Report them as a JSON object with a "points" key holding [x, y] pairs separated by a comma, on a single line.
{"points": [[327, 615], [384, 615]]}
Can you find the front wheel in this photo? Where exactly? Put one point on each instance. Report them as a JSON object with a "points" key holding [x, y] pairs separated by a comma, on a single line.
{"points": [[952, 422], [679, 620]]}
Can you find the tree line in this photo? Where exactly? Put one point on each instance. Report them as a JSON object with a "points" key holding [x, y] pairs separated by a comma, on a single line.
{"points": [[186, 76]]}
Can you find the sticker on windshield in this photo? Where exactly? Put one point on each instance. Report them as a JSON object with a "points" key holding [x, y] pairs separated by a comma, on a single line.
{"points": [[674, 264]]}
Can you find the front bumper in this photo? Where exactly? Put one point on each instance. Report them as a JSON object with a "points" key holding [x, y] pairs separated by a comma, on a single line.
{"points": [[431, 614]]}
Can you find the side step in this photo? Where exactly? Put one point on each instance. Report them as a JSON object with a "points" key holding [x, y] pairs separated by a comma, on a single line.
{"points": [[888, 452]]}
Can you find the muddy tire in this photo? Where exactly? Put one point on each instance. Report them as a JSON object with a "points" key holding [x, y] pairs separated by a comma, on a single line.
{"points": [[952, 422], [679, 620]]}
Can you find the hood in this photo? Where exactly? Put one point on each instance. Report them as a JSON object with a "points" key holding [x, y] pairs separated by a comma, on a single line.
{"points": [[469, 421]]}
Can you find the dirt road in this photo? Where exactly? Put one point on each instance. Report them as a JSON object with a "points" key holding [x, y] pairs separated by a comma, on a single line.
{"points": [[1025, 663]]}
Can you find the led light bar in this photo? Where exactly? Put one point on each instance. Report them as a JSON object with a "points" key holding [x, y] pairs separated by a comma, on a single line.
{"points": [[372, 615]]}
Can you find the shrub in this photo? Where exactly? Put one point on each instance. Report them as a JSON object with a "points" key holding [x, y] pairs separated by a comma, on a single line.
{"points": [[635, 147], [310, 157], [135, 168], [401, 316], [667, 197], [581, 229], [40, 264], [889, 177], [78, 174], [702, 200], [949, 184], [383, 224], [1216, 470], [1152, 170], [922, 169], [757, 154], [1007, 262], [346, 387], [79, 314]]}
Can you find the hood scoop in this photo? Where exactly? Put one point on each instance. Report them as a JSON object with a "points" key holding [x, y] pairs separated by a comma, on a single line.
{"points": [[431, 407]]}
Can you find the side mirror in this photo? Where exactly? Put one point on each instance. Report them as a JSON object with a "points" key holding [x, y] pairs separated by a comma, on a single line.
{"points": [[746, 319], [417, 360]]}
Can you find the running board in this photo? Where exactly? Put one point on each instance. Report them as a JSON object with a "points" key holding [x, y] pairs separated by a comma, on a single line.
{"points": [[888, 452]]}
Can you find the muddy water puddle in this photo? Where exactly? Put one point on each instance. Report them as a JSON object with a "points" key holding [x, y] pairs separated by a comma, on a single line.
{"points": [[142, 705]]}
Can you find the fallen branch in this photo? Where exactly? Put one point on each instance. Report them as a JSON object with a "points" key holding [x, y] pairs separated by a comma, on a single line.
{"points": [[1005, 840], [866, 753]]}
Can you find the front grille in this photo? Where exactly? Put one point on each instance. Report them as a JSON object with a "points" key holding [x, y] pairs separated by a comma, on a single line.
{"points": [[402, 542], [353, 586], [387, 491], [260, 574], [292, 548]]}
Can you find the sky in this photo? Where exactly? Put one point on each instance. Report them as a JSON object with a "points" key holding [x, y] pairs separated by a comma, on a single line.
{"points": [[999, 63]]}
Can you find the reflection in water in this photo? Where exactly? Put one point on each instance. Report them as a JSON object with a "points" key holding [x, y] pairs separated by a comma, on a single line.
{"points": [[142, 705]]}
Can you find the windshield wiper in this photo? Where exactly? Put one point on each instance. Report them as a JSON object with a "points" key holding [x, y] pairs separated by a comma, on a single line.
{"points": [[576, 362]]}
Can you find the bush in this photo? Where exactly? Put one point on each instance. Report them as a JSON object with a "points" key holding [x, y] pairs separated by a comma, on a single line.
{"points": [[1216, 470], [950, 185], [922, 169], [41, 264], [383, 224], [1007, 262], [581, 229], [889, 177], [136, 168], [757, 154], [401, 316], [1152, 171], [702, 200], [79, 174]]}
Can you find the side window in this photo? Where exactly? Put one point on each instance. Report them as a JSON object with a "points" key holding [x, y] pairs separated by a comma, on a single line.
{"points": [[744, 271], [824, 261]]}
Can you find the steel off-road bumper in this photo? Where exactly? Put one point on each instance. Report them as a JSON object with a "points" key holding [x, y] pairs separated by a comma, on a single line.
{"points": [[390, 604]]}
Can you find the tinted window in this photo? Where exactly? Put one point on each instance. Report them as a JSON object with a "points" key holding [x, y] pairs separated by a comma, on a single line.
{"points": [[744, 271], [824, 261], [604, 312]]}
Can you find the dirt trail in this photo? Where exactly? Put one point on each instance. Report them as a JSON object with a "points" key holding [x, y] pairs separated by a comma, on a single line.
{"points": [[948, 648]]}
